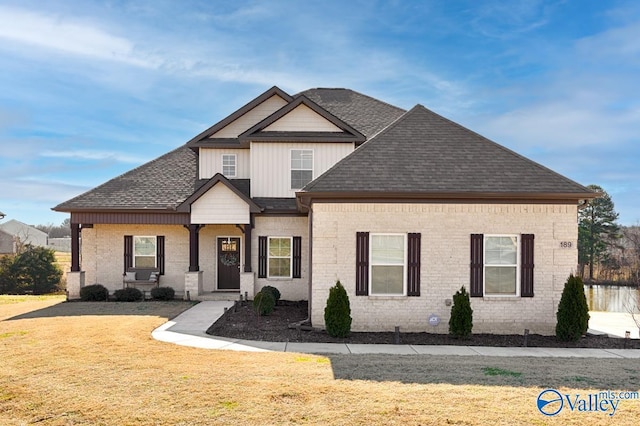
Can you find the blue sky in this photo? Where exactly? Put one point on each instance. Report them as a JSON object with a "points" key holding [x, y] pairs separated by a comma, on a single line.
{"points": [[91, 89]]}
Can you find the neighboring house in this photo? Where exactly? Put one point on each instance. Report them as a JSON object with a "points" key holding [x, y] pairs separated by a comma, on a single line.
{"points": [[14, 233], [403, 207]]}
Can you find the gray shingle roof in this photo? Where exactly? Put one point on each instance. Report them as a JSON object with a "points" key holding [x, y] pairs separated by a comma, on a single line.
{"points": [[363, 113], [423, 152], [161, 184]]}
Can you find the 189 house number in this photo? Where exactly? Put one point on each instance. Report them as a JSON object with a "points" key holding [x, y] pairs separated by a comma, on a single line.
{"points": [[566, 244]]}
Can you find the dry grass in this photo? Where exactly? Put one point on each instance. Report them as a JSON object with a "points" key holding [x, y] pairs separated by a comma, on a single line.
{"points": [[96, 364]]}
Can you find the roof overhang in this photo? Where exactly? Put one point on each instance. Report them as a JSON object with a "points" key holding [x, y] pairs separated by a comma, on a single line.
{"points": [[305, 199]]}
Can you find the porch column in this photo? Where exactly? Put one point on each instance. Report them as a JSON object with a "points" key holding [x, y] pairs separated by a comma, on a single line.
{"points": [[75, 247], [247, 246], [194, 247]]}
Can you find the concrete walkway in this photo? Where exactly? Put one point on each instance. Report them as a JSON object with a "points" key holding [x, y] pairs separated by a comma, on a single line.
{"points": [[188, 329]]}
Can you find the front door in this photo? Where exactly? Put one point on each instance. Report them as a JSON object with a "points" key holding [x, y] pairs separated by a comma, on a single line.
{"points": [[228, 263]]}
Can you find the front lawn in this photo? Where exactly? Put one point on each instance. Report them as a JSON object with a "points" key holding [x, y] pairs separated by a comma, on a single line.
{"points": [[96, 364]]}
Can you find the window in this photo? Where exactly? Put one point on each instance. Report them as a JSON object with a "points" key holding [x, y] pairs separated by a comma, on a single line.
{"points": [[301, 167], [279, 257], [229, 165], [388, 264], [144, 252], [501, 265]]}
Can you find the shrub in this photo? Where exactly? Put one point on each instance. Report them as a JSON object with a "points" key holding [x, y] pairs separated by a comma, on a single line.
{"points": [[274, 291], [94, 293], [128, 294], [573, 311], [264, 302], [163, 293], [461, 321], [337, 313]]}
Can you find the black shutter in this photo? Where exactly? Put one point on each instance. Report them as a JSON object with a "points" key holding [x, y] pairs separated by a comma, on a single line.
{"points": [[297, 257], [362, 263], [262, 257], [477, 265], [526, 265], [413, 267], [160, 253], [128, 252]]}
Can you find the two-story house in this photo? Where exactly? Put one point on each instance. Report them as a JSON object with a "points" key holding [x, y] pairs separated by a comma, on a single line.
{"points": [[404, 207]]}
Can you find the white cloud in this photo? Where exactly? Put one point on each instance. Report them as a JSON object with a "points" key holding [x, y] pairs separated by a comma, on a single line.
{"points": [[50, 31], [94, 155]]}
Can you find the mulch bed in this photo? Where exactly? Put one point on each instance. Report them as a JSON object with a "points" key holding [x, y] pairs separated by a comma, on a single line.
{"points": [[244, 323]]}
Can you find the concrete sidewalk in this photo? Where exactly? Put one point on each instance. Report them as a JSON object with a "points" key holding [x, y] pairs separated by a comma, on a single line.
{"points": [[188, 329]]}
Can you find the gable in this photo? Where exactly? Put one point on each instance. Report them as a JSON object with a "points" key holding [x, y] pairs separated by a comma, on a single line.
{"points": [[220, 205], [250, 118], [302, 119]]}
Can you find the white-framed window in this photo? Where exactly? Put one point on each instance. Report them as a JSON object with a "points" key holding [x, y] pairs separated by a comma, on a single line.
{"points": [[387, 263], [501, 265], [229, 165], [280, 255], [301, 167], [144, 252]]}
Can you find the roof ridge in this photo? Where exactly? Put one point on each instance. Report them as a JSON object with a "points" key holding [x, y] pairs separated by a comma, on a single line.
{"points": [[352, 91]]}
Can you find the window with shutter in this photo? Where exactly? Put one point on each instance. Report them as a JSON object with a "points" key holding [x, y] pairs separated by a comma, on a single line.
{"points": [[388, 264], [502, 265]]}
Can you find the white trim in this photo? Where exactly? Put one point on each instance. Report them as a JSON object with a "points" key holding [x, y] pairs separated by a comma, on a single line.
{"points": [[240, 260], [404, 265], [517, 265], [291, 169], [290, 276], [235, 165]]}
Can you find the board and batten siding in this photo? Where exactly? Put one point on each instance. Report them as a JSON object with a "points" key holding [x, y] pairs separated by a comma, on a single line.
{"points": [[220, 205], [271, 164], [211, 162], [304, 119], [248, 120]]}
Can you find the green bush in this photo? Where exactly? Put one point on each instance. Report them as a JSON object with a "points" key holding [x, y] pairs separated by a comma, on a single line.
{"points": [[128, 294], [94, 293], [274, 291], [163, 293], [337, 313], [264, 302], [461, 321], [573, 311]]}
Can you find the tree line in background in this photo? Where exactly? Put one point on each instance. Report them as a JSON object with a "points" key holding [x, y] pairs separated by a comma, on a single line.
{"points": [[56, 231], [607, 252]]}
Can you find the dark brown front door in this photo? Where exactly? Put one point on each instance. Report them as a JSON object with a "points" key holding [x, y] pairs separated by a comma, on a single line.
{"points": [[228, 263]]}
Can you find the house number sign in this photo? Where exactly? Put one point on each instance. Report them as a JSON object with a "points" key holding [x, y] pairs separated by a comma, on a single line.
{"points": [[566, 244]]}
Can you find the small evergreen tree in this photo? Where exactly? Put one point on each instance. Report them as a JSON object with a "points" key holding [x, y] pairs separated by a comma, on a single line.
{"points": [[337, 313], [264, 302], [461, 321], [573, 311]]}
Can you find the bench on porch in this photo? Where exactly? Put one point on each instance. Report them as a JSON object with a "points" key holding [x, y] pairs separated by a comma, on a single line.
{"points": [[141, 277]]}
